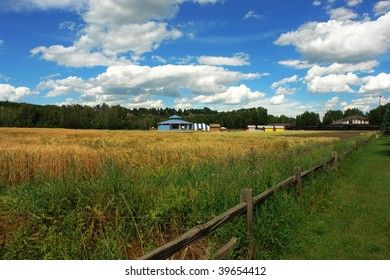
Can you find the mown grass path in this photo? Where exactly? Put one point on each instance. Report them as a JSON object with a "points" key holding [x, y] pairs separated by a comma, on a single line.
{"points": [[356, 222]]}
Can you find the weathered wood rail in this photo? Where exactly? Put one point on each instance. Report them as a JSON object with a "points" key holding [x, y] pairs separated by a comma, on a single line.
{"points": [[203, 230]]}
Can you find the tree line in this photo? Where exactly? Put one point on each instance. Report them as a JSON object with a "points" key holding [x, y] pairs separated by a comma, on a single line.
{"points": [[117, 117]]}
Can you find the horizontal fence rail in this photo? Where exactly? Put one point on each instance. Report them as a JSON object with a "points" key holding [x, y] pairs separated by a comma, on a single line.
{"points": [[200, 231]]}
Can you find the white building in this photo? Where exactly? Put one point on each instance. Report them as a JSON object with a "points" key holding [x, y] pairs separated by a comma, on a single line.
{"points": [[355, 119]]}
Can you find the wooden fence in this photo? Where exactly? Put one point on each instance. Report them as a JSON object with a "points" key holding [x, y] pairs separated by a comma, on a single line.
{"points": [[246, 206]]}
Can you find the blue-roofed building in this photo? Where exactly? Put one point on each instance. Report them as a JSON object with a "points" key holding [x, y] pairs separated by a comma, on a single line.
{"points": [[174, 123]]}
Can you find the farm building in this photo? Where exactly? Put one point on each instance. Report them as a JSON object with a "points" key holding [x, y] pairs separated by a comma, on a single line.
{"points": [[175, 123], [201, 127], [271, 128], [215, 127], [278, 128], [268, 128], [355, 119], [287, 126], [251, 128]]}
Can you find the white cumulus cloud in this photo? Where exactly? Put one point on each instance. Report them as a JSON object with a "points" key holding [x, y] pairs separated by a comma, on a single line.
{"points": [[317, 3], [73, 56], [342, 14], [382, 7], [337, 77], [297, 64], [353, 3], [144, 100], [14, 94], [115, 30], [70, 85], [281, 88], [340, 41], [331, 103], [333, 83], [277, 99], [341, 68], [234, 95], [284, 81], [239, 59], [364, 104], [120, 83], [103, 47], [130, 11], [285, 90], [375, 84]]}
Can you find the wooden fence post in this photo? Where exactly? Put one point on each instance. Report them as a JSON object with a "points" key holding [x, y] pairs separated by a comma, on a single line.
{"points": [[335, 160], [226, 250], [246, 196], [298, 174]]}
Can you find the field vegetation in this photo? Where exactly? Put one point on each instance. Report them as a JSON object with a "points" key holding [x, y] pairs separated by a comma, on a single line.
{"points": [[354, 223], [88, 194]]}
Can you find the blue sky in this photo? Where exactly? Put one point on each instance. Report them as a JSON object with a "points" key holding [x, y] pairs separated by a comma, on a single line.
{"points": [[287, 56]]}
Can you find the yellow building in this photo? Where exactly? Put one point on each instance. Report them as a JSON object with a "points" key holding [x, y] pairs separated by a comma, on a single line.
{"points": [[279, 128], [271, 128]]}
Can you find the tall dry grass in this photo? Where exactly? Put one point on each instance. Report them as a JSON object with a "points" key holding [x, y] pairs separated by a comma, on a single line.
{"points": [[28, 154]]}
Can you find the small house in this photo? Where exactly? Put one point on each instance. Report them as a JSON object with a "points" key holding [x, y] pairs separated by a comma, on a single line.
{"points": [[271, 128], [268, 128], [215, 127], [279, 128], [174, 123], [286, 126], [251, 128], [354, 119]]}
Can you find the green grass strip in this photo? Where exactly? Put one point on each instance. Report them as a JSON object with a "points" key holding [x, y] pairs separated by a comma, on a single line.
{"points": [[356, 222]]}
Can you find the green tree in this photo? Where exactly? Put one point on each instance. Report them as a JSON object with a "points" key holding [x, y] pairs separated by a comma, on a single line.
{"points": [[375, 116], [308, 119], [285, 119], [386, 122], [352, 112], [331, 116], [273, 119], [282, 119]]}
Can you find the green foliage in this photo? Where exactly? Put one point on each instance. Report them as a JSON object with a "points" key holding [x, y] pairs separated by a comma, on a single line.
{"points": [[376, 115], [386, 122], [308, 119], [352, 112], [282, 119], [331, 116], [353, 223], [117, 117]]}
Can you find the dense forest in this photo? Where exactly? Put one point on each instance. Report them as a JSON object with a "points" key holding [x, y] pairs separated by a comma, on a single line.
{"points": [[117, 117]]}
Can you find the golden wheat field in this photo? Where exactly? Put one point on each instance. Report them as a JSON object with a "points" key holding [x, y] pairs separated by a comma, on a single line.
{"points": [[26, 154]]}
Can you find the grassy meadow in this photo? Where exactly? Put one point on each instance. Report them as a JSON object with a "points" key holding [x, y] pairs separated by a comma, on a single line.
{"points": [[355, 223], [88, 194]]}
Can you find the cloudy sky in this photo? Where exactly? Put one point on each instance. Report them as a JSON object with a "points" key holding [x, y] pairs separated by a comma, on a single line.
{"points": [[287, 56]]}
